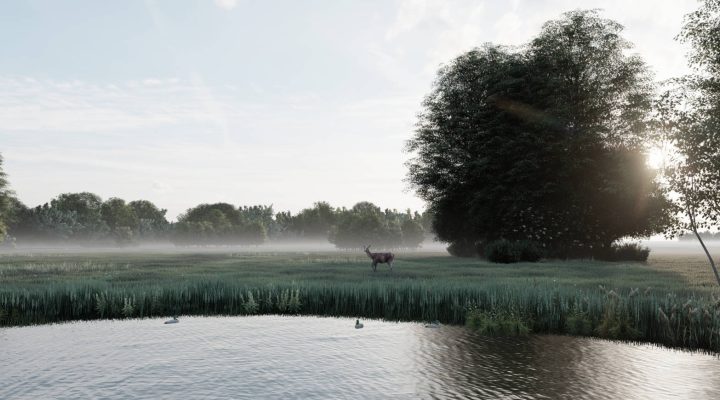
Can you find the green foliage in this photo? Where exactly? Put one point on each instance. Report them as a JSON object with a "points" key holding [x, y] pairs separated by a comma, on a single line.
{"points": [[365, 224], [578, 323], [314, 223], [528, 251], [128, 309], [501, 251], [294, 304], [221, 224], [5, 202], [262, 218], [577, 107], [70, 216], [115, 213], [254, 233], [85, 208], [151, 223], [250, 306], [505, 251], [84, 216], [15, 215], [701, 31], [622, 252], [463, 248], [120, 219], [101, 304]]}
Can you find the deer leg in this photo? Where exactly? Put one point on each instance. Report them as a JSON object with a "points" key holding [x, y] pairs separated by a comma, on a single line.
{"points": [[390, 264]]}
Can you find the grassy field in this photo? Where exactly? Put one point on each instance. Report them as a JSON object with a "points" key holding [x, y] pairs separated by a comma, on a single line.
{"points": [[668, 300]]}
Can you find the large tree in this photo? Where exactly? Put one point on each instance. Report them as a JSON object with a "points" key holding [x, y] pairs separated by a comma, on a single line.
{"points": [[219, 223], [315, 222], [541, 143], [121, 219], [86, 207], [365, 224], [152, 223]]}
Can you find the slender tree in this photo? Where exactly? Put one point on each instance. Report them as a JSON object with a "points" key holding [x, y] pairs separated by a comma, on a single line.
{"points": [[688, 117]]}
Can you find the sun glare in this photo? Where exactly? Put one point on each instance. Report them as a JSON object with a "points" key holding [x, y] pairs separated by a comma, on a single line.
{"points": [[655, 158]]}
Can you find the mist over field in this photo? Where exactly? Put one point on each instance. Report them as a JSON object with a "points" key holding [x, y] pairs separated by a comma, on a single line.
{"points": [[301, 246], [465, 191]]}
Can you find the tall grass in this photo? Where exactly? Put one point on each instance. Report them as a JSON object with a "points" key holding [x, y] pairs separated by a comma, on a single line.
{"points": [[538, 298], [669, 320]]}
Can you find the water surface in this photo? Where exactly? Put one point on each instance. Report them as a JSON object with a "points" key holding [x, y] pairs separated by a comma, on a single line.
{"points": [[326, 358]]}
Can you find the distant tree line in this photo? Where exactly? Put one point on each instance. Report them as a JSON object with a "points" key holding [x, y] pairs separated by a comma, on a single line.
{"points": [[706, 235], [85, 217], [363, 224]]}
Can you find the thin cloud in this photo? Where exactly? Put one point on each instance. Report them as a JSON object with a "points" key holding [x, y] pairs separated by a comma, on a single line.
{"points": [[74, 106], [226, 4]]}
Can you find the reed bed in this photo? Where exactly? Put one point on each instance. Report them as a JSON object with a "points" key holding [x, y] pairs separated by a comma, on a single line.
{"points": [[539, 299]]}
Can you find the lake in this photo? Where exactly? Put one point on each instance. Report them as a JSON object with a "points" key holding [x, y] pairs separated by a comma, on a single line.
{"points": [[326, 358]]}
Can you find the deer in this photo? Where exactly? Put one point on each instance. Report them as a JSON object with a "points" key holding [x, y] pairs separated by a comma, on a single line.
{"points": [[380, 258]]}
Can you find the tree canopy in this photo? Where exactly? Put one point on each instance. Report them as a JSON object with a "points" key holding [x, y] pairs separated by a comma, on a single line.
{"points": [[540, 143], [218, 223]]}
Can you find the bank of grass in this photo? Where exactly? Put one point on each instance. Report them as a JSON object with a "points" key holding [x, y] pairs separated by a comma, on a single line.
{"points": [[670, 300]]}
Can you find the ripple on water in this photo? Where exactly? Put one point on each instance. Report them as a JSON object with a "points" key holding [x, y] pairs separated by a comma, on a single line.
{"points": [[305, 357]]}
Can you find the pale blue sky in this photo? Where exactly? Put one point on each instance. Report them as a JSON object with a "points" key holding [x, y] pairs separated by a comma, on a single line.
{"points": [[250, 102]]}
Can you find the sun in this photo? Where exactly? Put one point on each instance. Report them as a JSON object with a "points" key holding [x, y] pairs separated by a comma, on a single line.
{"points": [[656, 157]]}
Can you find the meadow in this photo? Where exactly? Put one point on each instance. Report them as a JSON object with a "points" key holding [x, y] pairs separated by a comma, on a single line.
{"points": [[670, 300]]}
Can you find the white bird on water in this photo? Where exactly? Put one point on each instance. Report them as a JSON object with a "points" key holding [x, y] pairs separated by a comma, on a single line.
{"points": [[174, 320], [358, 325]]}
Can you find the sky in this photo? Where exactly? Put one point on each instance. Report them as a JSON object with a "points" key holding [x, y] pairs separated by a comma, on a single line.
{"points": [[183, 102]]}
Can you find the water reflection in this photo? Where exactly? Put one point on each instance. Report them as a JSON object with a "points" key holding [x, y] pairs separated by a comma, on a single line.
{"points": [[286, 357]]}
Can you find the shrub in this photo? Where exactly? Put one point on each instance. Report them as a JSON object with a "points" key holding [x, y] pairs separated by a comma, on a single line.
{"points": [[622, 252], [501, 251], [251, 306], [528, 251], [578, 323], [504, 251], [128, 307]]}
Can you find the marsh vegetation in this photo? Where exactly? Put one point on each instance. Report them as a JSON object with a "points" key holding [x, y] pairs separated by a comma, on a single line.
{"points": [[668, 300]]}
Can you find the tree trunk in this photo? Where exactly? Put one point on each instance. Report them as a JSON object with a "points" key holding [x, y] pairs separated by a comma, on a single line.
{"points": [[707, 253]]}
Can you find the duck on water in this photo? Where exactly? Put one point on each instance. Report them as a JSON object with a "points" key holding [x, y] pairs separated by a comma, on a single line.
{"points": [[433, 324], [174, 320]]}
